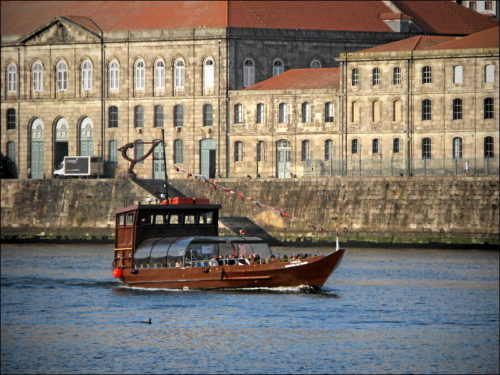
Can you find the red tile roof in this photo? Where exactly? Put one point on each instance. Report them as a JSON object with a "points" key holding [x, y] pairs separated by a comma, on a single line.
{"points": [[411, 44], [483, 39], [445, 17], [298, 79]]}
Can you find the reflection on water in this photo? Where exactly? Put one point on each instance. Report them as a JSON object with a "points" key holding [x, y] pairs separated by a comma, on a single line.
{"points": [[382, 311]]}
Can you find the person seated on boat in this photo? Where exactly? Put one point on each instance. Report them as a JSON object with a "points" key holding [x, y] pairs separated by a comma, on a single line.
{"points": [[272, 259], [285, 258], [220, 260], [255, 258], [177, 264], [243, 261], [231, 261]]}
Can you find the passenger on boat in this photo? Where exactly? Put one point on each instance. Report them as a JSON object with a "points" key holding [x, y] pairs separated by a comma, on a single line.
{"points": [[255, 258], [243, 261]]}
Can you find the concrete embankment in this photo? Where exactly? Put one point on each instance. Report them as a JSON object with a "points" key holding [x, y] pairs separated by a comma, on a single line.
{"points": [[397, 210]]}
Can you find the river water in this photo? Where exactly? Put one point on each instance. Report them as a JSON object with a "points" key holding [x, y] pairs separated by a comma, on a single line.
{"points": [[382, 311]]}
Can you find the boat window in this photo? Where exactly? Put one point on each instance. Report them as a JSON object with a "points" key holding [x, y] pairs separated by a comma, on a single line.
{"points": [[226, 249], [176, 252], [206, 217], [120, 220], [159, 253], [130, 218], [143, 253], [175, 218], [244, 249], [161, 219], [262, 249], [146, 218], [190, 219]]}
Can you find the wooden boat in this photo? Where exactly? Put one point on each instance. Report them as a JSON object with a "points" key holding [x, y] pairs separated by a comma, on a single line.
{"points": [[176, 246]]}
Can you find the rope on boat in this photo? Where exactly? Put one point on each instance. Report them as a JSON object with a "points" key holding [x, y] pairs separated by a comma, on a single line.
{"points": [[216, 186]]}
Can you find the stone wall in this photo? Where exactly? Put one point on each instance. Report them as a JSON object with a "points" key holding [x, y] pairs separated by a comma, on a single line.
{"points": [[397, 209]]}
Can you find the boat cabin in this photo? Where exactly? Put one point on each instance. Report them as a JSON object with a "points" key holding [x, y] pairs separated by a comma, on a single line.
{"points": [[198, 251], [138, 223]]}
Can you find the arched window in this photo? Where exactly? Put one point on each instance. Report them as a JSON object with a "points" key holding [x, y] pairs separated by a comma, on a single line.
{"points": [[113, 151], [376, 76], [489, 73], [159, 74], [426, 110], [306, 112], [179, 74], [396, 76], [375, 146], [457, 109], [261, 113], [458, 74], [426, 74], [86, 137], [283, 113], [11, 118], [178, 115], [355, 112], [328, 150], [248, 73], [113, 117], [489, 147], [62, 76], [208, 74], [315, 64], [355, 146], [355, 77], [178, 151], [87, 76], [457, 148], [426, 148], [396, 111], [138, 116], [238, 113], [306, 150], [139, 150], [278, 67], [329, 113], [12, 78], [261, 151], [37, 77], [488, 108], [396, 146], [376, 111], [114, 75], [158, 112], [207, 115], [140, 75], [238, 151]]}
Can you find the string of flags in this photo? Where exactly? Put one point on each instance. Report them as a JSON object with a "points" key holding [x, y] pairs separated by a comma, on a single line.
{"points": [[216, 186]]}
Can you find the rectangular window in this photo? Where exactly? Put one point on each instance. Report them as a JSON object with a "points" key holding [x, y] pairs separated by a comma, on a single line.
{"points": [[426, 74], [113, 152], [355, 77], [395, 145], [329, 112], [158, 116], [11, 118], [113, 117], [488, 108]]}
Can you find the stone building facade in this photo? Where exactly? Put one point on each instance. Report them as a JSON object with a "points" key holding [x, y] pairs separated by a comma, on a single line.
{"points": [[75, 86]]}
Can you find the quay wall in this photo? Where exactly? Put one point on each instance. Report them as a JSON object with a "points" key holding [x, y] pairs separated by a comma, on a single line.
{"points": [[463, 210]]}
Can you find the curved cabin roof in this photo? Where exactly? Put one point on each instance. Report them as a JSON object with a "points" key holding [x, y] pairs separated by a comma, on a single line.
{"points": [[433, 17]]}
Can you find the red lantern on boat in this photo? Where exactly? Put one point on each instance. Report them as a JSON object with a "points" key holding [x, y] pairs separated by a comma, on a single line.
{"points": [[117, 272]]}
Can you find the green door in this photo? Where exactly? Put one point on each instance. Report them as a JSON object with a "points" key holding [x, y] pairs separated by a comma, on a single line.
{"points": [[37, 149], [208, 157]]}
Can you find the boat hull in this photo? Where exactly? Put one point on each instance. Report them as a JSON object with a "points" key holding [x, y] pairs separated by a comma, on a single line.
{"points": [[312, 271]]}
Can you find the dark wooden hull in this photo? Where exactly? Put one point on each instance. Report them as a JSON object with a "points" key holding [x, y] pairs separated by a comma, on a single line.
{"points": [[312, 271]]}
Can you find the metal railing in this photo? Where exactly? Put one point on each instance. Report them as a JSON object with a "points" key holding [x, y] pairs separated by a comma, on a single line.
{"points": [[380, 166]]}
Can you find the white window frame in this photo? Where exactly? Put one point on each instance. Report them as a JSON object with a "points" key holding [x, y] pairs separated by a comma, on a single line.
{"points": [[489, 73], [248, 72], [376, 77], [306, 112], [458, 74], [355, 77], [179, 73], [329, 112], [306, 150], [426, 74], [278, 67], [37, 77], [62, 76], [140, 75], [261, 113], [12, 78], [86, 75], [114, 75], [208, 74], [159, 74], [396, 76], [238, 113], [283, 113]]}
